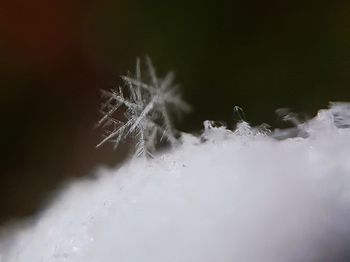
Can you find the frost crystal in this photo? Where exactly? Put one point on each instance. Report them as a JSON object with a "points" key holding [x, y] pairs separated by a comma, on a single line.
{"points": [[147, 106]]}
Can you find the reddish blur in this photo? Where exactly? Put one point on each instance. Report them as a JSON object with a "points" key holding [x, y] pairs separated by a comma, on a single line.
{"points": [[51, 74]]}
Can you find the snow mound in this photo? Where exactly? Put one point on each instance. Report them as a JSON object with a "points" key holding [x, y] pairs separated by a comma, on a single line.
{"points": [[225, 196]]}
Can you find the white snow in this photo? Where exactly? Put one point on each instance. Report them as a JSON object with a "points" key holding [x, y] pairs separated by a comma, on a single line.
{"points": [[228, 196]]}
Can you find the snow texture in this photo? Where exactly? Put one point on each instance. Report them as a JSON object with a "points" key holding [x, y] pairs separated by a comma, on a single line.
{"points": [[239, 195], [147, 110]]}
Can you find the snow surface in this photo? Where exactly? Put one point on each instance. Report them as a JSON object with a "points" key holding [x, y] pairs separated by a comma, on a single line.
{"points": [[225, 196]]}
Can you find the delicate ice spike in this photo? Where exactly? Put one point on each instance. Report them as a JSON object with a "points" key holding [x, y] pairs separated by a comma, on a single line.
{"points": [[152, 72]]}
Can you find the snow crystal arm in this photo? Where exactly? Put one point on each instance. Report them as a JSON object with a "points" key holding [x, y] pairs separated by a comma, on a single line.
{"points": [[174, 98], [143, 114], [136, 82], [167, 81], [168, 127], [119, 98], [117, 133], [180, 104], [141, 148], [127, 103], [152, 139], [138, 78], [152, 72], [107, 115]]}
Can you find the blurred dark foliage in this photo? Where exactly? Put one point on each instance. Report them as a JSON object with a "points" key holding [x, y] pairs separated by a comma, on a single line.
{"points": [[56, 55]]}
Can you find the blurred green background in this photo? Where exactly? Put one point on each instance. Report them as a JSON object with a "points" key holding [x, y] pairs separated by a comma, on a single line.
{"points": [[56, 55]]}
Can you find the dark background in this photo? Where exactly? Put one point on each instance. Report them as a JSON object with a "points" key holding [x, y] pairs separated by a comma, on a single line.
{"points": [[56, 55]]}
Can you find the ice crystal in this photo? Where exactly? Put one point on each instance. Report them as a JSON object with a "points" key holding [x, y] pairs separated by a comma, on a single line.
{"points": [[143, 112]]}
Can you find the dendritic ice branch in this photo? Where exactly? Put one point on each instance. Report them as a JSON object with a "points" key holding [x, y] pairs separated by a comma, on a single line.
{"points": [[142, 109]]}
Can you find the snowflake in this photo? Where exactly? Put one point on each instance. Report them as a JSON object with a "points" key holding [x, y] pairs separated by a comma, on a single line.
{"points": [[147, 107]]}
